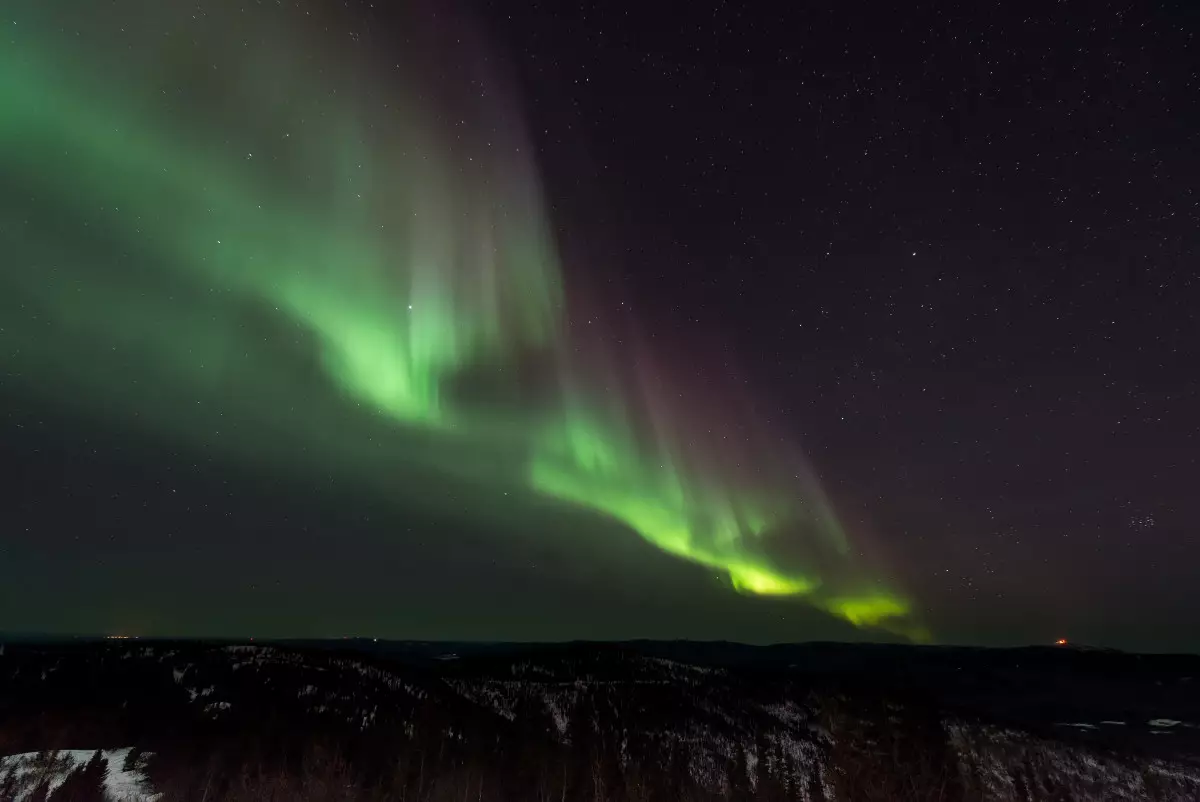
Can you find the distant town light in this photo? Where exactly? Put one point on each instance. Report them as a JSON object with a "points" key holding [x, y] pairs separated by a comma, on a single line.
{"points": [[1060, 642]]}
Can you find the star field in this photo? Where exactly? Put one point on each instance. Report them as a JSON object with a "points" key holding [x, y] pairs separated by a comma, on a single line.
{"points": [[960, 246], [933, 270]]}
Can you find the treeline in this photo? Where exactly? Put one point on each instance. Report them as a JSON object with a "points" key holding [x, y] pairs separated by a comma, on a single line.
{"points": [[871, 756], [41, 778]]}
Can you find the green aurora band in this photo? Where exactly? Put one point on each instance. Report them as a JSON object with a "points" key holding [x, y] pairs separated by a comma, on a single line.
{"points": [[238, 179]]}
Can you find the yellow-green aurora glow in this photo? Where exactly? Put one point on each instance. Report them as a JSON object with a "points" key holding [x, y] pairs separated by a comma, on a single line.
{"points": [[243, 191]]}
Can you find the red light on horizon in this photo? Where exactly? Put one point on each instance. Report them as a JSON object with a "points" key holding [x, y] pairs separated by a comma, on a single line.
{"points": [[1060, 642]]}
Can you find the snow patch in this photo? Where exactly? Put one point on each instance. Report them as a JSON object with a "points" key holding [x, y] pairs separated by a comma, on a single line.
{"points": [[999, 764], [29, 769], [788, 713], [557, 711]]}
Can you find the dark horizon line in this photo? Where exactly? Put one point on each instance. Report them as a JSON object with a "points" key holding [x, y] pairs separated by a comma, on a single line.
{"points": [[19, 636]]}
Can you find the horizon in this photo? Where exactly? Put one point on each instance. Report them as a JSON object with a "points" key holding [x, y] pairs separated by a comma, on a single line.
{"points": [[11, 636]]}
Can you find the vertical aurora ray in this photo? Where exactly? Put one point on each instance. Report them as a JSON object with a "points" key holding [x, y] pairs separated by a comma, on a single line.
{"points": [[246, 159]]}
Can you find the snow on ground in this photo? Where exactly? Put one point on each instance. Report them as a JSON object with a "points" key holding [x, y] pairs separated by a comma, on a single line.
{"points": [[31, 768], [488, 694], [125, 786], [789, 713], [1001, 764], [559, 704]]}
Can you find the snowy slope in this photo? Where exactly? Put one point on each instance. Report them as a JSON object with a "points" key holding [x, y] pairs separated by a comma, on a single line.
{"points": [[31, 768], [810, 726], [1000, 764]]}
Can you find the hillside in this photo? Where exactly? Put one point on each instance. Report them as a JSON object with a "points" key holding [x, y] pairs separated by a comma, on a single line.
{"points": [[364, 720]]}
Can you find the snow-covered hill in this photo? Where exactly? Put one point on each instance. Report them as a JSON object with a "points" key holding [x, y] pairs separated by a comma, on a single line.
{"points": [[795, 725]]}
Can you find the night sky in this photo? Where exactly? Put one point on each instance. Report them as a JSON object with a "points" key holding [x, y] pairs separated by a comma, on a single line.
{"points": [[602, 321]]}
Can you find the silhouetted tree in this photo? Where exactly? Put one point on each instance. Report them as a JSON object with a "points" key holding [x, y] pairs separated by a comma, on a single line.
{"points": [[8, 783], [767, 788], [85, 784], [40, 792], [739, 777]]}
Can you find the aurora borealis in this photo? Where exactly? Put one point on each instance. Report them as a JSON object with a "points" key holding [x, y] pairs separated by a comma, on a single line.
{"points": [[466, 320], [208, 212]]}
